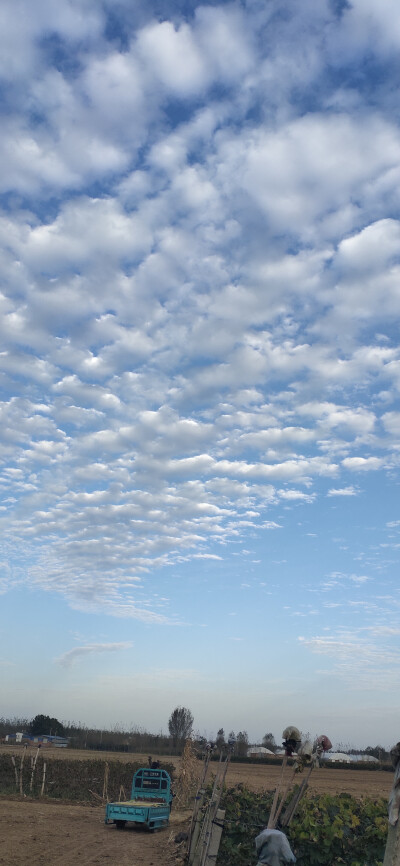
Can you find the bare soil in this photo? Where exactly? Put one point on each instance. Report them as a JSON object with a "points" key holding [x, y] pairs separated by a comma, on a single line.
{"points": [[56, 834]]}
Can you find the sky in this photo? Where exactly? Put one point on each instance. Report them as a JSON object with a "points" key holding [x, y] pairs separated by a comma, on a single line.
{"points": [[200, 364]]}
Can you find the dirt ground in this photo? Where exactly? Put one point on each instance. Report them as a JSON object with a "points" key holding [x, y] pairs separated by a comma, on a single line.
{"points": [[55, 834]]}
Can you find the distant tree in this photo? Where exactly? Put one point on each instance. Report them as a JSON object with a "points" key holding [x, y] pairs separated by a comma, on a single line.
{"points": [[378, 752], [46, 725], [220, 738], [268, 742], [12, 726], [242, 744], [180, 724], [200, 741]]}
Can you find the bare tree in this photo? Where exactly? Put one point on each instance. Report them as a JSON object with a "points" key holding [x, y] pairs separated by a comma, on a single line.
{"points": [[180, 725], [268, 742], [242, 744], [220, 738]]}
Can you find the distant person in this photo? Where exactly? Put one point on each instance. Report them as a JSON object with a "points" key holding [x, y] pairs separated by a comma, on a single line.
{"points": [[149, 759], [273, 849], [155, 765]]}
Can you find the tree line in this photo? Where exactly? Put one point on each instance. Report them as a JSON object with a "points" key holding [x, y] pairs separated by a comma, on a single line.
{"points": [[137, 740], [119, 738]]}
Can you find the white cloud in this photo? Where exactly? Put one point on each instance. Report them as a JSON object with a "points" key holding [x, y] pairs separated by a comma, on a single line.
{"points": [[384, 630], [391, 422], [22, 32], [374, 246], [293, 495], [314, 163], [85, 229], [207, 556], [359, 578], [227, 41], [174, 58], [186, 59], [363, 464], [270, 524], [192, 259], [343, 491], [71, 656], [374, 26], [361, 663]]}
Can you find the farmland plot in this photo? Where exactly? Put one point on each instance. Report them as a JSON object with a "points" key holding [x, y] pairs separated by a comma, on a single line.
{"points": [[55, 834], [358, 783], [46, 832], [257, 777]]}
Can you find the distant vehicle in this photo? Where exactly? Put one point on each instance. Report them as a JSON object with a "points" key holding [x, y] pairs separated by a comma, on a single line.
{"points": [[150, 802]]}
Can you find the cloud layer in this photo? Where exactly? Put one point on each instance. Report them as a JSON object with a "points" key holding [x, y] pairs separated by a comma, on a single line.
{"points": [[200, 264]]}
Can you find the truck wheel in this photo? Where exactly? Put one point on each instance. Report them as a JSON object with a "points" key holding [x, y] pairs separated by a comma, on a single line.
{"points": [[120, 824]]}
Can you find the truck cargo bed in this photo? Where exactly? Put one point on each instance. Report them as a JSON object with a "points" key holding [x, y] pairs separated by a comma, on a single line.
{"points": [[150, 802]]}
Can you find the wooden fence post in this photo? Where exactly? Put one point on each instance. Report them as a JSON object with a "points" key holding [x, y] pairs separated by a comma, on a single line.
{"points": [[15, 771], [20, 770], [105, 783], [43, 779], [216, 833], [196, 828], [34, 762]]}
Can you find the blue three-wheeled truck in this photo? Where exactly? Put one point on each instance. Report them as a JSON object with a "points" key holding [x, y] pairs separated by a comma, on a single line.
{"points": [[150, 802]]}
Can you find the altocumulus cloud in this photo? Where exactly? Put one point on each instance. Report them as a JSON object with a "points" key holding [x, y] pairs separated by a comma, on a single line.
{"points": [[199, 282]]}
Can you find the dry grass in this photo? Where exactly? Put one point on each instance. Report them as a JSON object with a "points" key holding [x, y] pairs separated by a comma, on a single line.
{"points": [[188, 777]]}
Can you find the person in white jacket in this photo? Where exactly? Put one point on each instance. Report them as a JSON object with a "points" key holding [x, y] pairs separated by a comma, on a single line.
{"points": [[273, 849]]}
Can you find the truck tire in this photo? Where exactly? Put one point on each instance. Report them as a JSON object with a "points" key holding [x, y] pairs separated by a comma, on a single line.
{"points": [[120, 825]]}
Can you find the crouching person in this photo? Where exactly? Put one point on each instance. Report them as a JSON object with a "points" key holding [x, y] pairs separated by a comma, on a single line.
{"points": [[273, 849]]}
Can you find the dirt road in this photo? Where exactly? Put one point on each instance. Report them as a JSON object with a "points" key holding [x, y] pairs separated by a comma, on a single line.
{"points": [[50, 834]]}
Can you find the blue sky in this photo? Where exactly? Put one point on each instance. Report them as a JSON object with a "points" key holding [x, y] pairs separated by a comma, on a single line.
{"points": [[200, 367]]}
